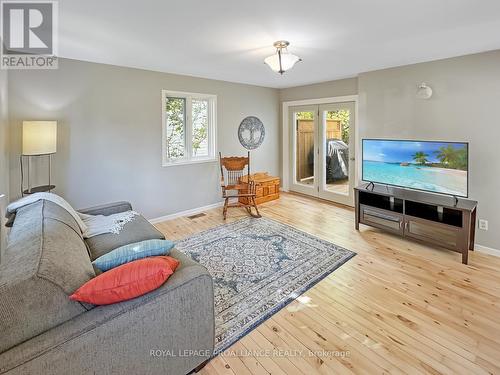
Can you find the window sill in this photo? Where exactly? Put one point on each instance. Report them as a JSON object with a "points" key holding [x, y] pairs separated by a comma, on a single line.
{"points": [[188, 162]]}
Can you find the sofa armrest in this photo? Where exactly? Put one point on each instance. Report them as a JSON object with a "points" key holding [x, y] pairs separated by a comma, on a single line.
{"points": [[167, 331], [107, 209]]}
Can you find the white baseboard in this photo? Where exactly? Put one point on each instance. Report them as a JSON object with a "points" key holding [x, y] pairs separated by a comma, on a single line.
{"points": [[487, 250], [190, 212]]}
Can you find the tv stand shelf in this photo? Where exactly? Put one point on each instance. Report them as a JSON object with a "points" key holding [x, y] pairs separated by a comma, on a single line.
{"points": [[432, 218]]}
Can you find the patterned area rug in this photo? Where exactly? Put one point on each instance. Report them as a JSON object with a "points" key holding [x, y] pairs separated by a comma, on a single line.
{"points": [[258, 267]]}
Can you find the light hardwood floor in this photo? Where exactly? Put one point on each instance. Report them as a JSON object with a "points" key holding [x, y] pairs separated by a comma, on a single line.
{"points": [[396, 307]]}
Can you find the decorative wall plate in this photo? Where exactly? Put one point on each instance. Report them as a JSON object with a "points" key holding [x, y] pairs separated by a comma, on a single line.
{"points": [[251, 132]]}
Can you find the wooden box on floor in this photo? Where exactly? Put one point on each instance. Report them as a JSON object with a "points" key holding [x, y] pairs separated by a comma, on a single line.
{"points": [[267, 188]]}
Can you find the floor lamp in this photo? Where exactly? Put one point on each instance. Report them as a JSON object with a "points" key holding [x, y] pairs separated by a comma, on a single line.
{"points": [[39, 140]]}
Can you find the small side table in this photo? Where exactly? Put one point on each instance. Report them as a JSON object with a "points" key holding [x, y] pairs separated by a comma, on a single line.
{"points": [[39, 189]]}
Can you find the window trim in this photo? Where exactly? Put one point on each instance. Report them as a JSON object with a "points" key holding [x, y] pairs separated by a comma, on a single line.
{"points": [[212, 128]]}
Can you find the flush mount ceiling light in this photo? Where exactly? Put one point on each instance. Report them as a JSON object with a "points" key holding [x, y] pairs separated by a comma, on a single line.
{"points": [[282, 60]]}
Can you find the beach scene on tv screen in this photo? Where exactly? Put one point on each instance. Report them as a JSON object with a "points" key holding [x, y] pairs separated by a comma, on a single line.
{"points": [[439, 167]]}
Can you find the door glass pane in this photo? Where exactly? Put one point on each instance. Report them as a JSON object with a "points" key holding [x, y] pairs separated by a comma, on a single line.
{"points": [[304, 149], [175, 127], [200, 128], [337, 150]]}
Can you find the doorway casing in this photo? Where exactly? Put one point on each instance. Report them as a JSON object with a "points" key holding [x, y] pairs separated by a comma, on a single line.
{"points": [[286, 134]]}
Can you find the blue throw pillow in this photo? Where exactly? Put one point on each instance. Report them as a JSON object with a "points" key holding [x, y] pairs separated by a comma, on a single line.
{"points": [[133, 251]]}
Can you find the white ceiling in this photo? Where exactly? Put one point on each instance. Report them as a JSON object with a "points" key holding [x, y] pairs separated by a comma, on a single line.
{"points": [[229, 39]]}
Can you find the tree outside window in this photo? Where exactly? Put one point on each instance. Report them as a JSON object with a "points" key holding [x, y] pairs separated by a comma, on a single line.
{"points": [[175, 109], [189, 127]]}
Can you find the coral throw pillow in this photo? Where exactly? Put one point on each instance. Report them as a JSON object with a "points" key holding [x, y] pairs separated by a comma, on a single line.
{"points": [[126, 281], [172, 262]]}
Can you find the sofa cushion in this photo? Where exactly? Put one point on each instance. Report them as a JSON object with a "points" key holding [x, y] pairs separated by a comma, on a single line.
{"points": [[45, 261], [57, 213], [136, 230]]}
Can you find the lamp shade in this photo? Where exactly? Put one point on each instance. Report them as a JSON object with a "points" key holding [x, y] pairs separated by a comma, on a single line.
{"points": [[39, 137]]}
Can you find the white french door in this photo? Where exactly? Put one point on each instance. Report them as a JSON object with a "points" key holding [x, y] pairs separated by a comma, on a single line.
{"points": [[322, 146], [304, 127]]}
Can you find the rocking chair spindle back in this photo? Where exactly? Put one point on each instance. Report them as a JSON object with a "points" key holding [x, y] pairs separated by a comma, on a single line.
{"points": [[232, 169]]}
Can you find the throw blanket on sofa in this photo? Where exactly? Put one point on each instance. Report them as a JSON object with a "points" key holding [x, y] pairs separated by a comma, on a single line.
{"points": [[90, 225], [100, 224]]}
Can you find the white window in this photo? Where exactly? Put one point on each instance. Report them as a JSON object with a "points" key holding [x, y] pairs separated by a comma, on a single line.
{"points": [[189, 127]]}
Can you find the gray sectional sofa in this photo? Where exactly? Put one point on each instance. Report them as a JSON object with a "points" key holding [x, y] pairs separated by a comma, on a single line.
{"points": [[168, 331]]}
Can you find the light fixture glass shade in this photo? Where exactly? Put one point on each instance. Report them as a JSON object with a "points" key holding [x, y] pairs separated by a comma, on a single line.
{"points": [[39, 137], [287, 62], [282, 60], [274, 62]]}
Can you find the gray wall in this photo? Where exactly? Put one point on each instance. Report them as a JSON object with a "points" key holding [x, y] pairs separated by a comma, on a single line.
{"points": [[4, 153], [109, 133], [464, 107], [341, 87], [110, 126]]}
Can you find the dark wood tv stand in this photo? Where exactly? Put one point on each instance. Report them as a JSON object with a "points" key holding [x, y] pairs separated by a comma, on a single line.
{"points": [[433, 218]]}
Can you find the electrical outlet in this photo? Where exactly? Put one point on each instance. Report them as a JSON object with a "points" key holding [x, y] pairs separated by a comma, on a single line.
{"points": [[483, 224]]}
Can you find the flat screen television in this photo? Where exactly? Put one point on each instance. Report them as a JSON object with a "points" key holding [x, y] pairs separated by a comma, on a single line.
{"points": [[438, 167]]}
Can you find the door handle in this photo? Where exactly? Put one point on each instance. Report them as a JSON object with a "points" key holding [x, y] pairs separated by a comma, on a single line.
{"points": [[352, 159]]}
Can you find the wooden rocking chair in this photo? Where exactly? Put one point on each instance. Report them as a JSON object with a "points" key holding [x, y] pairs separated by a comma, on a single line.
{"points": [[232, 169]]}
